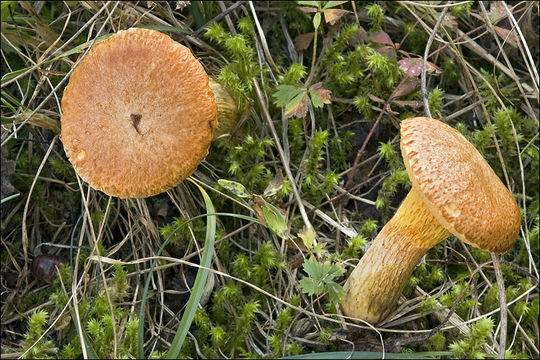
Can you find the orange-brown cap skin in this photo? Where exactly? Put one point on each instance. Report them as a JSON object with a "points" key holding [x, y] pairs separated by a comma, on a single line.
{"points": [[138, 114], [458, 186]]}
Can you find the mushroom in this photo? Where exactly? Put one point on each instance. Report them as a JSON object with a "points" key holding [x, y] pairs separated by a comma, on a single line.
{"points": [[454, 191], [138, 114]]}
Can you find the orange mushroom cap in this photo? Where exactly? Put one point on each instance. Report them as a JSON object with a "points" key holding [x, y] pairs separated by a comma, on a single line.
{"points": [[458, 186], [138, 114]]}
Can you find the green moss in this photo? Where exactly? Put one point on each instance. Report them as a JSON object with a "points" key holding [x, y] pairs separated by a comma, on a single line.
{"points": [[470, 346], [32, 345]]}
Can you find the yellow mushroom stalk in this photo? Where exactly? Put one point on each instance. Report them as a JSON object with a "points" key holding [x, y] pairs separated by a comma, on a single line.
{"points": [[378, 280], [454, 191], [227, 111]]}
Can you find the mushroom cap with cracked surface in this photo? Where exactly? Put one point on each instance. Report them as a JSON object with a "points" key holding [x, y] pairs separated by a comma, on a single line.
{"points": [[138, 114], [458, 186]]}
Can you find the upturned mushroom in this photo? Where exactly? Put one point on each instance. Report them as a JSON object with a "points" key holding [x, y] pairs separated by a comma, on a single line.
{"points": [[454, 191], [138, 114]]}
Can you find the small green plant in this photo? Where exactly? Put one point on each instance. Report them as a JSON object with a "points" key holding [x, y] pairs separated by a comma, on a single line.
{"points": [[32, 345], [321, 279], [435, 101], [246, 161], [321, 276], [355, 246], [315, 188], [295, 98], [471, 346], [238, 74], [229, 321], [376, 13]]}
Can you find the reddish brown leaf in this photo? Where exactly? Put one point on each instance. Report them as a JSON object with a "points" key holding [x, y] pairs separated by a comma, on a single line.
{"points": [[407, 87], [298, 106], [299, 110], [333, 15], [302, 41], [319, 96], [295, 261], [497, 10], [296, 243], [508, 36], [256, 204], [274, 185], [388, 50], [413, 67], [380, 37]]}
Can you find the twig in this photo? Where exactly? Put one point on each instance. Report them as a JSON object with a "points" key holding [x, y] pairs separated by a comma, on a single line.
{"points": [[521, 270], [423, 4], [357, 159], [502, 302], [424, 60], [286, 334], [263, 40], [532, 65], [227, 18], [396, 344], [266, 115]]}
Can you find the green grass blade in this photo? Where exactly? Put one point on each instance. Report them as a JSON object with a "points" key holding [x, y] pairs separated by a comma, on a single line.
{"points": [[90, 352], [165, 28], [196, 13], [140, 332], [89, 348], [200, 280], [7, 198]]}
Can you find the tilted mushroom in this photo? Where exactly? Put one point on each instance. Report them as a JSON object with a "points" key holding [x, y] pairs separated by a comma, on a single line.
{"points": [[454, 191], [138, 114]]}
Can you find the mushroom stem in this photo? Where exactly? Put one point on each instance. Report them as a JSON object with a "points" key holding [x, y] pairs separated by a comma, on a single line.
{"points": [[376, 283], [227, 111]]}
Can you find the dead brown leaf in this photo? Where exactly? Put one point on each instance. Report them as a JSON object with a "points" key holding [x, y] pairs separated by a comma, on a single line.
{"points": [[302, 41], [508, 36], [388, 50], [331, 16], [308, 9], [413, 104], [380, 37], [407, 87]]}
